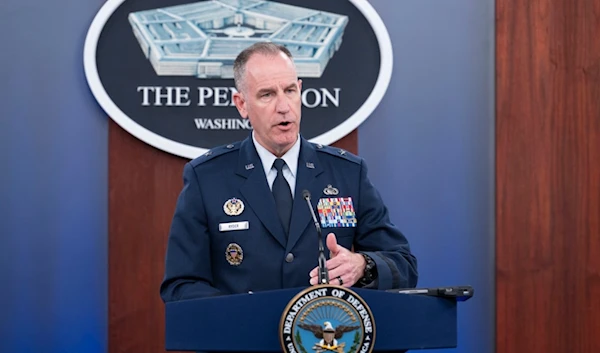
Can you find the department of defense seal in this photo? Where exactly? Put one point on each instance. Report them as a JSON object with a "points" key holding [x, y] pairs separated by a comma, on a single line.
{"points": [[234, 254], [327, 319], [233, 207]]}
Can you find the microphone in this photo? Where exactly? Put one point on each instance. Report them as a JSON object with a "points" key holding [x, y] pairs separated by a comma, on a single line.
{"points": [[323, 273]]}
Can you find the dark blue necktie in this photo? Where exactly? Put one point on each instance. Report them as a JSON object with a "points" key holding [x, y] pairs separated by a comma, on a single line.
{"points": [[282, 195]]}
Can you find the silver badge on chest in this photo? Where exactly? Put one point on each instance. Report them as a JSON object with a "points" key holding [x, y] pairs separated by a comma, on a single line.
{"points": [[330, 190]]}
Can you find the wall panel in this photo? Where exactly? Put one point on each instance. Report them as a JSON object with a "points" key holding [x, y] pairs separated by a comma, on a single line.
{"points": [[548, 176]]}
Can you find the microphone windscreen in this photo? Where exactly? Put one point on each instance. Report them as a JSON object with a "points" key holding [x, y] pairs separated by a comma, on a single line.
{"points": [[306, 194]]}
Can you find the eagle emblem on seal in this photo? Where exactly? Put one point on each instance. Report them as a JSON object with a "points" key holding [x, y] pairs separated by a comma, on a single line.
{"points": [[329, 336]]}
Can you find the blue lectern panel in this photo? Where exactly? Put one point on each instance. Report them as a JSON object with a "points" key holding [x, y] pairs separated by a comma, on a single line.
{"points": [[250, 322]]}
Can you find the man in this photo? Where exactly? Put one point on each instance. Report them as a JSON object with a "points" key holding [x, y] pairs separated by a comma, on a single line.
{"points": [[238, 227]]}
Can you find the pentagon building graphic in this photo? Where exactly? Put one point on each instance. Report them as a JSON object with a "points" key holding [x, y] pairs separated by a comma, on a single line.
{"points": [[202, 39]]}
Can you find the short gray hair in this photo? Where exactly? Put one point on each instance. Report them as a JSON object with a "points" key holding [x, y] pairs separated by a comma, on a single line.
{"points": [[264, 48]]}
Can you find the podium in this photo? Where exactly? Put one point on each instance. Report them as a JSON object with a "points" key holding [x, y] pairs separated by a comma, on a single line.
{"points": [[250, 322]]}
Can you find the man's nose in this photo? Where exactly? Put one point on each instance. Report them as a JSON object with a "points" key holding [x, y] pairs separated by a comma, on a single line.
{"points": [[283, 106]]}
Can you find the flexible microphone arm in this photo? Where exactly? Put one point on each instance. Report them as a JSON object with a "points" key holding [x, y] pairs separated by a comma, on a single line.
{"points": [[323, 272]]}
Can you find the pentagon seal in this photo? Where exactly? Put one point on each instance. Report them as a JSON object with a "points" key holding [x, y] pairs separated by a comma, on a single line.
{"points": [[327, 319], [233, 207], [234, 254]]}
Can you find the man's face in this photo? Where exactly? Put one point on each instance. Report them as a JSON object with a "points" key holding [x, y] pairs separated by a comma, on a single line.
{"points": [[328, 337], [270, 98]]}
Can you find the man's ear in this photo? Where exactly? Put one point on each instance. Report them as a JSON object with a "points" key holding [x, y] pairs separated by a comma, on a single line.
{"points": [[240, 104], [300, 84]]}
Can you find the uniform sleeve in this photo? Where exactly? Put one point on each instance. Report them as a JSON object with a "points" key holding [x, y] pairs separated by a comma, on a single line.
{"points": [[188, 272], [380, 239]]}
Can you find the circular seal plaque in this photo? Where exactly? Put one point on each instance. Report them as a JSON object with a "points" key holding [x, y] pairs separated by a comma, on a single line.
{"points": [[327, 319]]}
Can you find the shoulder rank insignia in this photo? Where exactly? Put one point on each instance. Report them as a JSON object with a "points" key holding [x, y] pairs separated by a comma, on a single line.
{"points": [[330, 190], [233, 207], [336, 212], [234, 254]]}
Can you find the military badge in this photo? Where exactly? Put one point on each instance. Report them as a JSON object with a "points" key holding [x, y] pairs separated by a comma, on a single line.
{"points": [[336, 212], [234, 254], [327, 319], [233, 207], [330, 190]]}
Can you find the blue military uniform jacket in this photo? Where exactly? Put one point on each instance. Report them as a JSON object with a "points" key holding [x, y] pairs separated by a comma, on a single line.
{"points": [[202, 260]]}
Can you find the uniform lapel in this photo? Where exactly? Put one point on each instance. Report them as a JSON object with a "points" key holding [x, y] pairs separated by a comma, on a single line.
{"points": [[308, 170], [255, 188]]}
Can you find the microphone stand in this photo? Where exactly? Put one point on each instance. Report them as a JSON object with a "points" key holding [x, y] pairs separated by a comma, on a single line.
{"points": [[323, 272]]}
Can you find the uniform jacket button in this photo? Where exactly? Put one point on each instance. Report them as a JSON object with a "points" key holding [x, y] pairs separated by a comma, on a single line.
{"points": [[289, 257]]}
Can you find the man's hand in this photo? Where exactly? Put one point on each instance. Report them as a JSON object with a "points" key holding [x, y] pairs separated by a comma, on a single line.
{"points": [[343, 264]]}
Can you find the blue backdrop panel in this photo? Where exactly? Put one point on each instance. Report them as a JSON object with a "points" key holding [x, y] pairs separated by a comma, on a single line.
{"points": [[430, 147], [53, 183]]}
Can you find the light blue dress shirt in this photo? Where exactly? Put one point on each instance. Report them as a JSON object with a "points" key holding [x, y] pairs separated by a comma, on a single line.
{"points": [[291, 160]]}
